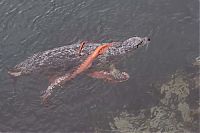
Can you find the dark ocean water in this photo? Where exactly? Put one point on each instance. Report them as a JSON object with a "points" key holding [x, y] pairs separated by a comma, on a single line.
{"points": [[30, 26]]}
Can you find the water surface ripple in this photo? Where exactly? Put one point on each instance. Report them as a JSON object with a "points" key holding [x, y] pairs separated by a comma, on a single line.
{"points": [[85, 104]]}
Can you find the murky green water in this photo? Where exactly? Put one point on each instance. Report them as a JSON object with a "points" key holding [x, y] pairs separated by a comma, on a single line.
{"points": [[161, 95]]}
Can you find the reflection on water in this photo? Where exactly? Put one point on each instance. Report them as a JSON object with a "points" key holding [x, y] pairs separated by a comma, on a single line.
{"points": [[161, 94]]}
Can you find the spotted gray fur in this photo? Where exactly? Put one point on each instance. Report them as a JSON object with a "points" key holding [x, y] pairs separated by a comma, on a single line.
{"points": [[68, 56]]}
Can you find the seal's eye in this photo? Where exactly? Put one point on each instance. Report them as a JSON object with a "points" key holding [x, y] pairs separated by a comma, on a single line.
{"points": [[148, 39]]}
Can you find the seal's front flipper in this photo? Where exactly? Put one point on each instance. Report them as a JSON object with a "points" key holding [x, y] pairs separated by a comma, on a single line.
{"points": [[107, 76], [101, 75], [114, 75], [117, 74]]}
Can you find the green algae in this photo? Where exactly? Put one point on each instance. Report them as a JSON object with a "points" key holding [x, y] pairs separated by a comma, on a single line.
{"points": [[185, 112], [161, 119], [123, 124], [129, 123], [172, 114], [176, 90], [197, 61]]}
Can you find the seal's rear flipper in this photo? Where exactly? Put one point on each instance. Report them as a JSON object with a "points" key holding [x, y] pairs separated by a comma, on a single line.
{"points": [[14, 72]]}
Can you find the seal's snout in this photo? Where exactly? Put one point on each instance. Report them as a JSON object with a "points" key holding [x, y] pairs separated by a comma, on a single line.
{"points": [[147, 39]]}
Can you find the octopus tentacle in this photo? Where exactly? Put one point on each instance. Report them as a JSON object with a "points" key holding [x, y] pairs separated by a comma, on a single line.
{"points": [[83, 67], [81, 47]]}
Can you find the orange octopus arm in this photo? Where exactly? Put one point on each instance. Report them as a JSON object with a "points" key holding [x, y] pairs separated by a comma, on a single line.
{"points": [[83, 67], [88, 62], [81, 47]]}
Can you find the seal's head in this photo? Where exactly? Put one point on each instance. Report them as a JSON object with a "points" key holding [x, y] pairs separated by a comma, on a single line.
{"points": [[135, 42], [120, 48]]}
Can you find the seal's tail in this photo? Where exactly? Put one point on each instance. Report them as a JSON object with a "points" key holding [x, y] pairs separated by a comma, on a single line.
{"points": [[14, 72]]}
